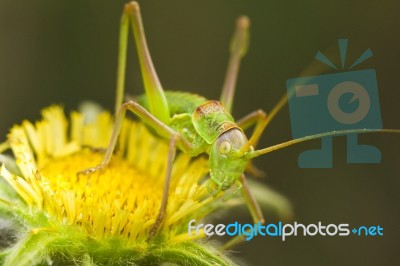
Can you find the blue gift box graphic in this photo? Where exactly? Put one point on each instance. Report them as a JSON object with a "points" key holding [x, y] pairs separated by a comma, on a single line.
{"points": [[331, 102]]}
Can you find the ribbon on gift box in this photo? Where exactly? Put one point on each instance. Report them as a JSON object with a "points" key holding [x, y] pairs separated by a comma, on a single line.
{"points": [[343, 49]]}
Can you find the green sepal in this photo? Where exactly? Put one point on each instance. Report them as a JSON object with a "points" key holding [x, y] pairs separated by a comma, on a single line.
{"points": [[43, 242], [187, 253]]}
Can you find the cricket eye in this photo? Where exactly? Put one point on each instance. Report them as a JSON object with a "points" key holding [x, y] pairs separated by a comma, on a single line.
{"points": [[225, 147]]}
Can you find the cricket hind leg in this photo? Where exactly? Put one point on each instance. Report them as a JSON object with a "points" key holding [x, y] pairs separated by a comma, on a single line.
{"points": [[159, 116], [158, 105], [238, 49], [157, 100]]}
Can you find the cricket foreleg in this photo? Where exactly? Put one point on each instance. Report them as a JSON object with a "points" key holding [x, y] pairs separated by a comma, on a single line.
{"points": [[255, 210], [214, 187], [238, 187], [251, 202]]}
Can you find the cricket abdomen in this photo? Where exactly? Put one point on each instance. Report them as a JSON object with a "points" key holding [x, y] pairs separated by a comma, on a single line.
{"points": [[178, 102]]}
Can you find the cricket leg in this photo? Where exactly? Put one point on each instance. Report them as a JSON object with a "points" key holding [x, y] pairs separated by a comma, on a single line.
{"points": [[255, 210], [258, 118], [238, 187], [158, 104], [282, 101], [161, 128], [251, 119], [238, 49], [164, 200], [214, 186], [121, 66]]}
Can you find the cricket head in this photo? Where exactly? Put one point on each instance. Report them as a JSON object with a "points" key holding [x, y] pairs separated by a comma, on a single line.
{"points": [[227, 161]]}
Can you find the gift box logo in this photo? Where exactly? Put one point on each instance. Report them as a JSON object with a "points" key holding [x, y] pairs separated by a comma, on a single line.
{"points": [[339, 101]]}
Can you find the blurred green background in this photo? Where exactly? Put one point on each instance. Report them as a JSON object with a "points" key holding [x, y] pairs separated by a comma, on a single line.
{"points": [[65, 52]]}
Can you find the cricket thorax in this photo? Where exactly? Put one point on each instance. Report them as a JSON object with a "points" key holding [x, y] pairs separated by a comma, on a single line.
{"points": [[210, 120]]}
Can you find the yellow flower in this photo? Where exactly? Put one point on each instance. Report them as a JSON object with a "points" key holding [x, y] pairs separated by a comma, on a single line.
{"points": [[103, 218]]}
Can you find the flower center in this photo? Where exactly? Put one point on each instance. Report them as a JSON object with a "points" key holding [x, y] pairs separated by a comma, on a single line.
{"points": [[113, 201]]}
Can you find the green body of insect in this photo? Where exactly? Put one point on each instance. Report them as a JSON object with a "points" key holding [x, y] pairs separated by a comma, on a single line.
{"points": [[189, 122], [211, 129], [194, 124]]}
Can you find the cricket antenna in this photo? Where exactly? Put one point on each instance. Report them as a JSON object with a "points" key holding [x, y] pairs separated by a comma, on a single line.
{"points": [[256, 153]]}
